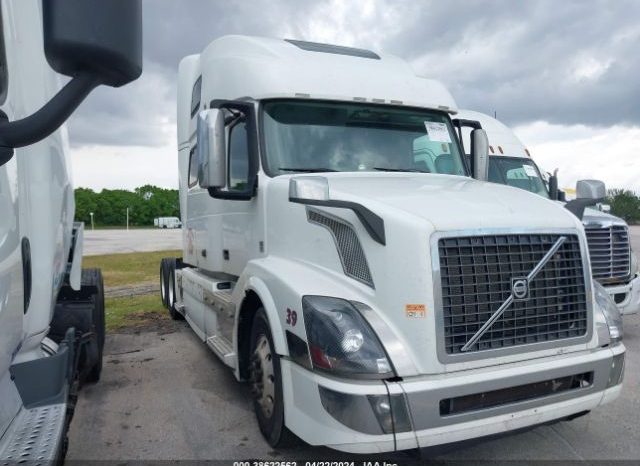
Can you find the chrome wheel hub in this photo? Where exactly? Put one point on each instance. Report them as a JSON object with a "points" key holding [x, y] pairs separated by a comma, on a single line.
{"points": [[262, 376]]}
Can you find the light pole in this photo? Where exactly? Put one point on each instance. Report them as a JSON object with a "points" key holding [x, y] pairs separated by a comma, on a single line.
{"points": [[92, 226], [127, 219]]}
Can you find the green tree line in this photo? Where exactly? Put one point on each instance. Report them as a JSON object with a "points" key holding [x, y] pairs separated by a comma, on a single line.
{"points": [[625, 204], [109, 206]]}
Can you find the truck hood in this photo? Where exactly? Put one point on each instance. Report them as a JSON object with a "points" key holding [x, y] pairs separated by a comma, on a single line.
{"points": [[449, 202]]}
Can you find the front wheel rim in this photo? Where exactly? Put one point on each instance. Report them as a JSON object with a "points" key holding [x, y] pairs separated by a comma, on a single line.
{"points": [[263, 377]]}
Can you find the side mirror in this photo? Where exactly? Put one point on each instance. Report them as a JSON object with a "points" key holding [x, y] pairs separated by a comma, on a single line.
{"points": [[588, 193], [480, 154], [95, 37], [553, 187], [93, 41], [590, 189], [211, 149]]}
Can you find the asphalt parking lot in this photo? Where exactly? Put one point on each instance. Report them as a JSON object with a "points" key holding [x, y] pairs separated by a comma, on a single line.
{"points": [[164, 395], [134, 240]]}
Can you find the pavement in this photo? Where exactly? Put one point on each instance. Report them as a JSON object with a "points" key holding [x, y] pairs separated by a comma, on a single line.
{"points": [[135, 240], [165, 396]]}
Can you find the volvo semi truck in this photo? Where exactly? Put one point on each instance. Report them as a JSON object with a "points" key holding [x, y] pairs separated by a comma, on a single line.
{"points": [[613, 263], [51, 310], [374, 302]]}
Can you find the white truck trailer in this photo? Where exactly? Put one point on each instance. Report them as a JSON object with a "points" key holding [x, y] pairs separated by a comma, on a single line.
{"points": [[613, 263], [373, 305], [51, 310]]}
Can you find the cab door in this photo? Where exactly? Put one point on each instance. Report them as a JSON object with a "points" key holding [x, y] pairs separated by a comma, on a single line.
{"points": [[12, 304]]}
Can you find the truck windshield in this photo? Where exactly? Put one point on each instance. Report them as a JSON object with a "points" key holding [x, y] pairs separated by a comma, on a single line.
{"points": [[518, 172], [331, 136]]}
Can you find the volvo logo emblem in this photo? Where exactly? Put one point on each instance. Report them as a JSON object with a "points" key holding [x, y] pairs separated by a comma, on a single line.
{"points": [[520, 288]]}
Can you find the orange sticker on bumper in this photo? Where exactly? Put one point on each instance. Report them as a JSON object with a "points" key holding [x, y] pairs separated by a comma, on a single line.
{"points": [[415, 311]]}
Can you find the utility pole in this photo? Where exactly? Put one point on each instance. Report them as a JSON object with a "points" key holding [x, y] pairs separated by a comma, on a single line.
{"points": [[127, 219]]}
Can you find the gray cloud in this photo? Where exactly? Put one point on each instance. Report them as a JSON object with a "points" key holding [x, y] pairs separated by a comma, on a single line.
{"points": [[563, 62]]}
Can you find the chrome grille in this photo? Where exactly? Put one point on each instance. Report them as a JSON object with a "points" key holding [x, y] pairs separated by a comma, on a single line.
{"points": [[609, 252], [354, 262], [477, 273]]}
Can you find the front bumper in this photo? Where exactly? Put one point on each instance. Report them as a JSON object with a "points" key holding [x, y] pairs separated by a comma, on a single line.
{"points": [[627, 296], [306, 416]]}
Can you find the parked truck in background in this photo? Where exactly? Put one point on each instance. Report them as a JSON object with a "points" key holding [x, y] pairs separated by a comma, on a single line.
{"points": [[51, 310], [167, 222], [373, 301], [613, 263]]}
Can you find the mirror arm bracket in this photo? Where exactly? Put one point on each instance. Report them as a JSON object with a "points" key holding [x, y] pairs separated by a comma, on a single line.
{"points": [[577, 206], [49, 117]]}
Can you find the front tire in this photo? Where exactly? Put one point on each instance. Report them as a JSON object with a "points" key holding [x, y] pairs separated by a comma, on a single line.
{"points": [[266, 384]]}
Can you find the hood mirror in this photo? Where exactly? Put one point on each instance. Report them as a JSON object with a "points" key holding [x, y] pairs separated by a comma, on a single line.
{"points": [[588, 193], [309, 188], [591, 189]]}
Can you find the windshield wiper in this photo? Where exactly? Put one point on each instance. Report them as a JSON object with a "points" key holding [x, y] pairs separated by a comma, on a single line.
{"points": [[307, 170], [411, 170]]}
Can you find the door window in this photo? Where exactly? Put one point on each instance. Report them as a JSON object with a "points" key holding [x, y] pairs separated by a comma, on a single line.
{"points": [[238, 163]]}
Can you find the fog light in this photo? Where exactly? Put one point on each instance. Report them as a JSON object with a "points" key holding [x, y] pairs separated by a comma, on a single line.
{"points": [[391, 412], [369, 414], [382, 409], [616, 374]]}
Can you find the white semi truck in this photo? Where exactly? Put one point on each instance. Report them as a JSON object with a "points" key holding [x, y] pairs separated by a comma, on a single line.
{"points": [[374, 303], [613, 263], [51, 310]]}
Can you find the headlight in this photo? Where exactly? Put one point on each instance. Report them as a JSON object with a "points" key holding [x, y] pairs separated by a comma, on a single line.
{"points": [[610, 311], [341, 341]]}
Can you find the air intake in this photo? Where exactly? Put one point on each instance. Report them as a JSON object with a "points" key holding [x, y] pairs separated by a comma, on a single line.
{"points": [[354, 262]]}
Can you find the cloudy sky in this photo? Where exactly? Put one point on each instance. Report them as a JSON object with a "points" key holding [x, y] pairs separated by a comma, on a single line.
{"points": [[563, 74]]}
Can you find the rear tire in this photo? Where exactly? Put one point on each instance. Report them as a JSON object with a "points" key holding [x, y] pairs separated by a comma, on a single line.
{"points": [[266, 382], [163, 282], [168, 284]]}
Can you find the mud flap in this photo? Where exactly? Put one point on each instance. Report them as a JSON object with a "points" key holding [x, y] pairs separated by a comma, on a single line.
{"points": [[46, 381]]}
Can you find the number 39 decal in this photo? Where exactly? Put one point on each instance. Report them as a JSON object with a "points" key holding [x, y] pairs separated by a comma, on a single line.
{"points": [[292, 317]]}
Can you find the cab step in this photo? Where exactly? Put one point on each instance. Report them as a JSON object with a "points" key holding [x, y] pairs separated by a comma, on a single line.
{"points": [[223, 348], [36, 436]]}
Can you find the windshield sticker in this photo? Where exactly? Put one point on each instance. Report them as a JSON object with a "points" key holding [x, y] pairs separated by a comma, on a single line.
{"points": [[530, 171], [437, 132]]}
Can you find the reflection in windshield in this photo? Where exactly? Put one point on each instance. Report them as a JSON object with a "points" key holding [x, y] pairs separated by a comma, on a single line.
{"points": [[518, 172], [332, 136]]}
